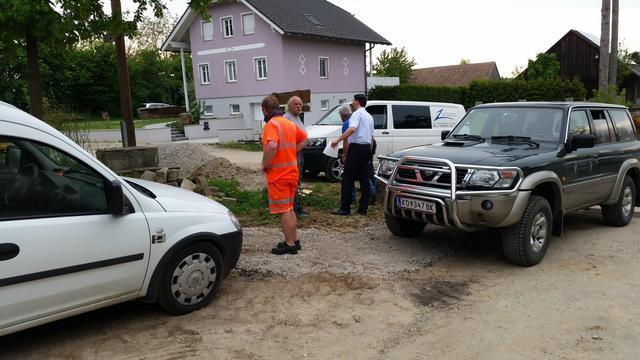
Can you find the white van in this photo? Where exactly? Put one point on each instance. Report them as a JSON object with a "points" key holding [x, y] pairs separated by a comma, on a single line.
{"points": [[397, 125], [74, 236]]}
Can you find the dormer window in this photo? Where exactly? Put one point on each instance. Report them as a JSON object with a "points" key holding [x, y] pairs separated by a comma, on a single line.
{"points": [[227, 26]]}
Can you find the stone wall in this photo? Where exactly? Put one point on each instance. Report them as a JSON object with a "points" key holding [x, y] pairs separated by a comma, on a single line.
{"points": [[129, 158]]}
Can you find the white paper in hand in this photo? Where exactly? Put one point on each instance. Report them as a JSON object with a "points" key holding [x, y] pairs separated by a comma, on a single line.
{"points": [[330, 151]]}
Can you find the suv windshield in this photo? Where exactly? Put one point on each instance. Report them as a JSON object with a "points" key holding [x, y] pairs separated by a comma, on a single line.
{"points": [[534, 123], [331, 117]]}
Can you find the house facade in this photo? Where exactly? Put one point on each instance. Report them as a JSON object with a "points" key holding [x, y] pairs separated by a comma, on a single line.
{"points": [[248, 49]]}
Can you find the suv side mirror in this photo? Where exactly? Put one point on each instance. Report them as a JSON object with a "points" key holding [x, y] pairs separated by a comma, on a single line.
{"points": [[444, 134], [582, 141], [115, 197]]}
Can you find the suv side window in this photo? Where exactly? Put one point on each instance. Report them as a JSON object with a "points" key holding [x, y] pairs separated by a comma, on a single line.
{"points": [[601, 126], [411, 117], [379, 114], [623, 125], [41, 181], [579, 123]]}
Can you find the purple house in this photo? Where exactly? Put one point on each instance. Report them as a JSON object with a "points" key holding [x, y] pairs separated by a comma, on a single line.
{"points": [[248, 49]]}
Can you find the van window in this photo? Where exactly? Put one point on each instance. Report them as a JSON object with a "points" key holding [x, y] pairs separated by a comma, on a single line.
{"points": [[379, 114], [411, 117], [44, 182], [624, 127], [600, 127]]}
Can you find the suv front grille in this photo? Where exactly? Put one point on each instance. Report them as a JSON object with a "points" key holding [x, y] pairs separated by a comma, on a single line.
{"points": [[428, 174]]}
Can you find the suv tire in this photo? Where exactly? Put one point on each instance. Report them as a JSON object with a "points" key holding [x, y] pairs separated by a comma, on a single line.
{"points": [[334, 169], [526, 242], [184, 287], [403, 227], [621, 213]]}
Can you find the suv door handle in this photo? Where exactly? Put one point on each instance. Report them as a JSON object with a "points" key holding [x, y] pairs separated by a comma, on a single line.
{"points": [[385, 133], [8, 251]]}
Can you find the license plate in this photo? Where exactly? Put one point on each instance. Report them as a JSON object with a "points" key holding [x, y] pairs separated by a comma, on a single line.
{"points": [[414, 204]]}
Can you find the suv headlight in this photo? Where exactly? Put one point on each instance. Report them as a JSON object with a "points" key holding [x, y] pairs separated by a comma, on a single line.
{"points": [[500, 179], [316, 142], [386, 167]]}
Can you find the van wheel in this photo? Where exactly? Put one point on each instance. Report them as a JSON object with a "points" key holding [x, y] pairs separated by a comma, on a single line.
{"points": [[403, 227], [191, 279], [621, 213], [526, 242], [334, 169]]}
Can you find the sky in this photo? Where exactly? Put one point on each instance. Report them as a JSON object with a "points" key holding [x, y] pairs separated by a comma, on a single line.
{"points": [[508, 32]]}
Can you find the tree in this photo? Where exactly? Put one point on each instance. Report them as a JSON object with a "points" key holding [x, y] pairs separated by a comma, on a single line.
{"points": [[150, 33], [465, 61], [544, 67], [605, 32], [395, 62]]}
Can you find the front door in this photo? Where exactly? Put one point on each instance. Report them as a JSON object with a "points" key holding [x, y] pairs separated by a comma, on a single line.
{"points": [[61, 248], [381, 131], [581, 169]]}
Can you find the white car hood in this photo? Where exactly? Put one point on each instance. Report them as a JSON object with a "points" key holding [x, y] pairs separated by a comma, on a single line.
{"points": [[322, 131], [174, 199]]}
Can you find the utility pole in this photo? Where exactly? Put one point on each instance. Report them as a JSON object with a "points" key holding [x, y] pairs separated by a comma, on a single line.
{"points": [[613, 59], [123, 75], [605, 31]]}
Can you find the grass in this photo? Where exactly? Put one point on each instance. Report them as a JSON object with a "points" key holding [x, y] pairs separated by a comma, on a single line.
{"points": [[247, 146], [115, 123], [251, 207]]}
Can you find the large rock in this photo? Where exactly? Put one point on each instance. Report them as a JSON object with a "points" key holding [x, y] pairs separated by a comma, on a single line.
{"points": [[188, 185], [202, 185], [161, 176], [173, 175], [148, 175], [129, 158]]}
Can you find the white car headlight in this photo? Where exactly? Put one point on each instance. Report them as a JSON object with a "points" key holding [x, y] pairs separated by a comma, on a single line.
{"points": [[386, 167], [316, 142], [501, 179], [234, 220]]}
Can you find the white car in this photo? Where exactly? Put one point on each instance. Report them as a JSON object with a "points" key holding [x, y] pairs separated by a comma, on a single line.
{"points": [[397, 125], [74, 236]]}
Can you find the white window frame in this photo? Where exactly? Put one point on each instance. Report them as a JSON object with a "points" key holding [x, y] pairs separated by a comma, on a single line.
{"points": [[226, 72], [222, 27], [320, 58], [204, 109], [266, 67], [327, 104], [202, 82], [202, 22], [231, 112], [244, 32]]}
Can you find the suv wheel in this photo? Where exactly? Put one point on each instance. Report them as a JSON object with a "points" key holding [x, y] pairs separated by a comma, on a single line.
{"points": [[334, 169], [621, 213], [191, 279], [526, 242], [403, 227]]}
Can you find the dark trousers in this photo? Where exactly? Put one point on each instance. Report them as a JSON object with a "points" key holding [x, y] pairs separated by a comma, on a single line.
{"points": [[357, 166]]}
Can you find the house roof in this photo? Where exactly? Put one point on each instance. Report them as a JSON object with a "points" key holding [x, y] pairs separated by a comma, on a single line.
{"points": [[455, 75], [317, 18]]}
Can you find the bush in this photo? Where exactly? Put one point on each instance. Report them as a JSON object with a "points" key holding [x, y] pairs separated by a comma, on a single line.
{"points": [[611, 96], [485, 91]]}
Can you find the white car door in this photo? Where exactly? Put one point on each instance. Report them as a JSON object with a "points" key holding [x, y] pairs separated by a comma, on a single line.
{"points": [[60, 248], [381, 131]]}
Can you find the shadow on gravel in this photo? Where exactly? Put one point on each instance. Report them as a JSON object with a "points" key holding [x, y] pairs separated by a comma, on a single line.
{"points": [[441, 294]]}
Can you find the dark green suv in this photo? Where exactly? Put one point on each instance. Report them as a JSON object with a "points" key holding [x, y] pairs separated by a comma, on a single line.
{"points": [[519, 167]]}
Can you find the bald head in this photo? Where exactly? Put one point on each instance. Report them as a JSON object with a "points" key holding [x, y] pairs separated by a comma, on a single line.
{"points": [[294, 106]]}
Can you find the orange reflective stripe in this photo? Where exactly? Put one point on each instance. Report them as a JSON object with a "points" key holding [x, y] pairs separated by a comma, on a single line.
{"points": [[279, 202], [281, 165]]}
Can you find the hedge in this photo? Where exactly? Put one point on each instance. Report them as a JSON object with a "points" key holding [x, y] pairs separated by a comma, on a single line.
{"points": [[485, 91]]}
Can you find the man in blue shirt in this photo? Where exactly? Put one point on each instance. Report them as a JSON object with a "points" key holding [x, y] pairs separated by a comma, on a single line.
{"points": [[359, 136]]}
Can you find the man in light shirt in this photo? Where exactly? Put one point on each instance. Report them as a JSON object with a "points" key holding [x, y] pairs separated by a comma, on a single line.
{"points": [[360, 138], [294, 109]]}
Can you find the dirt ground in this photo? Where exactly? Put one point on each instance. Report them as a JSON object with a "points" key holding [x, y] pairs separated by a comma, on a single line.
{"points": [[357, 292], [366, 294]]}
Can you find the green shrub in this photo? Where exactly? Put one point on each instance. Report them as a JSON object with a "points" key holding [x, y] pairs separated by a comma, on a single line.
{"points": [[415, 92], [612, 96]]}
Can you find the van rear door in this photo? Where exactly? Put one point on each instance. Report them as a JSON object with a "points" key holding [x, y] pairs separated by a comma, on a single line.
{"points": [[381, 131]]}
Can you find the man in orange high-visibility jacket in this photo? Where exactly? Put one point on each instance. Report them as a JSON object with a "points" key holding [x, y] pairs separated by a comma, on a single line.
{"points": [[281, 141]]}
